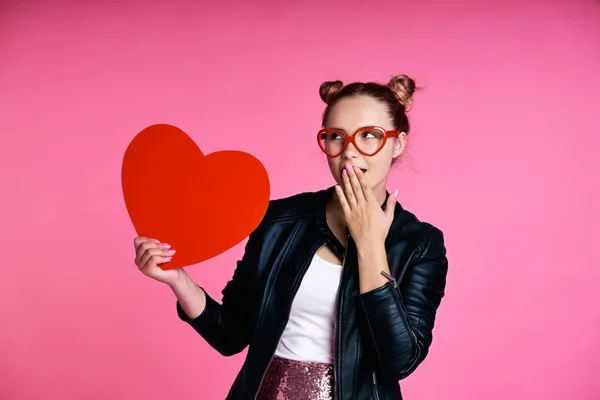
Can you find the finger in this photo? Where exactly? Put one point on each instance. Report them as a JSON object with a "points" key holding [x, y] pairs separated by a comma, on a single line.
{"points": [[162, 260], [348, 189], [343, 201], [363, 191], [141, 243], [140, 239], [143, 260], [142, 249], [154, 261], [358, 193], [391, 204], [145, 246], [156, 253]]}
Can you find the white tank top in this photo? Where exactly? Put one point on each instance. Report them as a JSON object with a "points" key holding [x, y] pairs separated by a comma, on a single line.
{"points": [[308, 335]]}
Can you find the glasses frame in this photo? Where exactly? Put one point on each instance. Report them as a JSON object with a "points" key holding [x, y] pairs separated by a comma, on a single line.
{"points": [[351, 139]]}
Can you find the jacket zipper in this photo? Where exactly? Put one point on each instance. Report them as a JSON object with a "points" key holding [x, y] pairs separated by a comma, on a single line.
{"points": [[375, 389], [287, 317], [337, 334], [397, 297]]}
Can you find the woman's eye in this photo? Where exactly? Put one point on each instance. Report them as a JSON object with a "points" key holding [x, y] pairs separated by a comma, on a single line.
{"points": [[369, 135], [372, 135]]}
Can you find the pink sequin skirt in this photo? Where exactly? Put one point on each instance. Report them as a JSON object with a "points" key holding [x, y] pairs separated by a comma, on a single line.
{"points": [[297, 380]]}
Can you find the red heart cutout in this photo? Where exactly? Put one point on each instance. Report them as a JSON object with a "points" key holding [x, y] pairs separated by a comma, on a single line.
{"points": [[200, 205]]}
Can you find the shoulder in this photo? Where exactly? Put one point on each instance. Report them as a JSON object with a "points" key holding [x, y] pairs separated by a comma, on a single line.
{"points": [[423, 234], [300, 205], [283, 213]]}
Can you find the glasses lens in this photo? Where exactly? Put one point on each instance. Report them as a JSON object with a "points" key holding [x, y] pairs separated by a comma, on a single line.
{"points": [[369, 141], [332, 142]]}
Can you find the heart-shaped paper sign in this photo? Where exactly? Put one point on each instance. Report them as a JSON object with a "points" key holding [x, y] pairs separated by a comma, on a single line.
{"points": [[200, 205]]}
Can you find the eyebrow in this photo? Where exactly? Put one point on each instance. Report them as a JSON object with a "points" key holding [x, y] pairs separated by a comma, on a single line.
{"points": [[362, 127]]}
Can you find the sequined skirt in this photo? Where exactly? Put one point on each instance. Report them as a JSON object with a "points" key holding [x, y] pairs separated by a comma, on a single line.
{"points": [[297, 380]]}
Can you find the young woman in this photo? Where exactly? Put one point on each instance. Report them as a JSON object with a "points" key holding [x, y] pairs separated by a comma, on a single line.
{"points": [[337, 291]]}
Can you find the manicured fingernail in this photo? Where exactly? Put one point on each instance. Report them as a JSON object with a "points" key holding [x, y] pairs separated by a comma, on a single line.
{"points": [[169, 259], [357, 170], [165, 245], [345, 173], [171, 251], [396, 194], [339, 189]]}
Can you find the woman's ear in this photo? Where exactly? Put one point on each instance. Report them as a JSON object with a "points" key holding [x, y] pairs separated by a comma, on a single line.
{"points": [[399, 145]]}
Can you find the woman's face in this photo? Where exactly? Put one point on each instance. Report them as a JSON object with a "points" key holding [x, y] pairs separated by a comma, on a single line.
{"points": [[350, 114]]}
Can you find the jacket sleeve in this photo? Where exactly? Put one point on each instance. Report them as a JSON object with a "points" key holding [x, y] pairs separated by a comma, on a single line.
{"points": [[398, 318], [227, 327]]}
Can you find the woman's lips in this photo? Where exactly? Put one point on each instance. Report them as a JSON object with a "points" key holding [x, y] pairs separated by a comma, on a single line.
{"points": [[362, 169]]}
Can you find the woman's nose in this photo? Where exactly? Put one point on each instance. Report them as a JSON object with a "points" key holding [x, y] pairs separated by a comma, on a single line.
{"points": [[350, 151]]}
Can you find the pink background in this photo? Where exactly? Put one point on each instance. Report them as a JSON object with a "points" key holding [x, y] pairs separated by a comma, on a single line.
{"points": [[503, 157]]}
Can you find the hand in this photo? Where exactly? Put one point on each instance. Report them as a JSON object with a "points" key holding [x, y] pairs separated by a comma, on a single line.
{"points": [[149, 253], [364, 216]]}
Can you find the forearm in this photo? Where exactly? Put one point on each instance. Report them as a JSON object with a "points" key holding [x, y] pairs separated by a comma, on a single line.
{"points": [[224, 327], [372, 261], [390, 341], [398, 317], [190, 296]]}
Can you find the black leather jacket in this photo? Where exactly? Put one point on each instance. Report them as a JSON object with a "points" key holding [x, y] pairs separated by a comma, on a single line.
{"points": [[380, 337]]}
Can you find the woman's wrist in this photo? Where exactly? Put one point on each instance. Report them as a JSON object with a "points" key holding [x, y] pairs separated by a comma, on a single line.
{"points": [[181, 279]]}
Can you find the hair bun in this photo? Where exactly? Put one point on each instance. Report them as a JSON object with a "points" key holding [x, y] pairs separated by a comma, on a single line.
{"points": [[328, 90], [403, 87]]}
